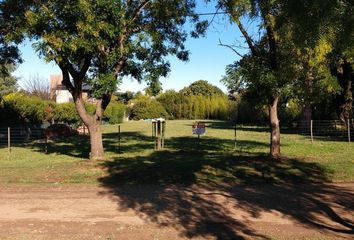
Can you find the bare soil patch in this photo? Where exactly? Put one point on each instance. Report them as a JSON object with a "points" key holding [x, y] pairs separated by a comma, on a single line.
{"points": [[177, 212]]}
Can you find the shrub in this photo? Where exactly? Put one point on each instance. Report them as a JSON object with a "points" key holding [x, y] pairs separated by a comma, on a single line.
{"points": [[145, 108], [22, 109], [290, 111], [114, 113], [171, 100], [65, 112], [249, 113]]}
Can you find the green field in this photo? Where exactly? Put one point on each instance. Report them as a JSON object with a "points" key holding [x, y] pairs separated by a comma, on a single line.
{"points": [[183, 161]]}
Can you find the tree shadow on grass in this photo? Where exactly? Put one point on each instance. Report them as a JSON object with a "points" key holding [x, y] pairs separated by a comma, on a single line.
{"points": [[79, 146], [202, 192], [239, 126], [74, 146]]}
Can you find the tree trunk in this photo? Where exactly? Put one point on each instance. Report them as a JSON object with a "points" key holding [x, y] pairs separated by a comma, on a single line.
{"points": [[306, 116], [345, 79], [93, 123], [274, 126], [97, 152], [347, 106]]}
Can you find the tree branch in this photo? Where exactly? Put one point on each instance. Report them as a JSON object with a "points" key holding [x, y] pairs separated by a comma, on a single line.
{"points": [[234, 16], [86, 65], [245, 34], [119, 66], [230, 47], [265, 11], [66, 79], [216, 13], [80, 107], [140, 8]]}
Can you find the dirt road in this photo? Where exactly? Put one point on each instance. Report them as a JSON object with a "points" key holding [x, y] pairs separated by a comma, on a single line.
{"points": [[177, 212]]}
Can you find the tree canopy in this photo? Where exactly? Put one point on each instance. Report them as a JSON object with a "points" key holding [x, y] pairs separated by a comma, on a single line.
{"points": [[300, 44], [100, 41], [201, 87], [8, 82], [9, 55]]}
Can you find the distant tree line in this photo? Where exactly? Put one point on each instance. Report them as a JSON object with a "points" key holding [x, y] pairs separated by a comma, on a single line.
{"points": [[200, 100]]}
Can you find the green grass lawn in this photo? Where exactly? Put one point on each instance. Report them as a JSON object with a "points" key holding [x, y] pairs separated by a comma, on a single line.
{"points": [[183, 160]]}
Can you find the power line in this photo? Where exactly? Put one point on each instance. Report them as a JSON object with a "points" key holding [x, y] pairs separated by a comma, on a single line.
{"points": [[211, 13]]}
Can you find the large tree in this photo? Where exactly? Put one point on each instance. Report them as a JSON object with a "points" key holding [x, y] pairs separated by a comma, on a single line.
{"points": [[100, 41], [9, 57], [326, 24], [342, 55], [264, 67]]}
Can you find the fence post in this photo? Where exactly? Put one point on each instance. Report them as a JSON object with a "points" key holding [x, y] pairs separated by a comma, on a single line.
{"points": [[9, 139], [163, 134], [118, 138], [335, 125], [46, 144], [235, 137], [348, 126], [28, 133], [311, 129]]}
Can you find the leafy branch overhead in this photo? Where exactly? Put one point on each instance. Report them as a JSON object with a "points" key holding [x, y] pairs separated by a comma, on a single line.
{"points": [[109, 38]]}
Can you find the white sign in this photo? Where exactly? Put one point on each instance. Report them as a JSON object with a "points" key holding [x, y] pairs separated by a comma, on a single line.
{"points": [[198, 128]]}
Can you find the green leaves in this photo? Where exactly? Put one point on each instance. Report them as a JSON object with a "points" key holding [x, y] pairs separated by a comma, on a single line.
{"points": [[8, 83], [97, 42], [103, 84], [203, 88], [21, 109]]}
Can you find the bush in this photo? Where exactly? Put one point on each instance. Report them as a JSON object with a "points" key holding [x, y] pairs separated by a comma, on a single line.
{"points": [[290, 112], [22, 109], [171, 100], [249, 113], [145, 108], [114, 113], [65, 112]]}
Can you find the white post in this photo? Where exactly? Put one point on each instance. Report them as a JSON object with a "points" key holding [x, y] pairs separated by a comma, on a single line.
{"points": [[311, 127]]}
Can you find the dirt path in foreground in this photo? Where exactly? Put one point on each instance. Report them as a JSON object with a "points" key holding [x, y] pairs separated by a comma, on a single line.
{"points": [[155, 212]]}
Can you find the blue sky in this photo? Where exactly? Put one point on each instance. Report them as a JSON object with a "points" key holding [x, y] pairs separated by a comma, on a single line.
{"points": [[207, 59]]}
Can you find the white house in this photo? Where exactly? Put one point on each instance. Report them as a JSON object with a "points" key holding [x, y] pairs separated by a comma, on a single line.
{"points": [[61, 94]]}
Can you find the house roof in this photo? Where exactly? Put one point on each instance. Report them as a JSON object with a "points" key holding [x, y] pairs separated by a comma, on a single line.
{"points": [[56, 84]]}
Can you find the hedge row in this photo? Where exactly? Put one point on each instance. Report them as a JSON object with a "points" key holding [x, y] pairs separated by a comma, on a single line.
{"points": [[21, 109]]}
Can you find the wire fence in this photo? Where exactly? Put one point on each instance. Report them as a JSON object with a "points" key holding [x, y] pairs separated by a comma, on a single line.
{"points": [[335, 130], [332, 130], [19, 134]]}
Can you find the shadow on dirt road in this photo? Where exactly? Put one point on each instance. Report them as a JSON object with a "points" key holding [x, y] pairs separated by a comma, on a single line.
{"points": [[211, 195]]}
